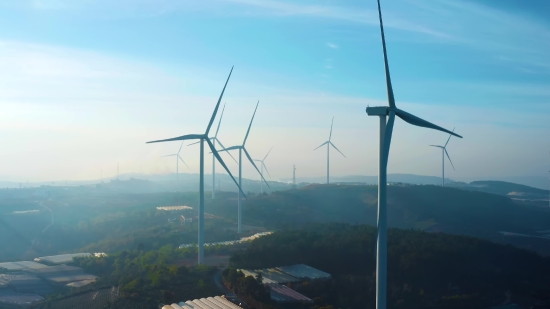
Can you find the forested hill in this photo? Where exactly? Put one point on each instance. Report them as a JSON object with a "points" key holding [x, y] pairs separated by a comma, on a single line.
{"points": [[431, 208], [425, 270]]}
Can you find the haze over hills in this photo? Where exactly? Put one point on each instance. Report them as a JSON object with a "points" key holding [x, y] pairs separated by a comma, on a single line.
{"points": [[189, 181]]}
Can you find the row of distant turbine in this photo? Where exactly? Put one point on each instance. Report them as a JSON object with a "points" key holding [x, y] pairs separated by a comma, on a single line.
{"points": [[328, 143], [386, 116]]}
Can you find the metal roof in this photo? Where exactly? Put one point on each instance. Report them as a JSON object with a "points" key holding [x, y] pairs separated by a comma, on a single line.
{"points": [[21, 265], [204, 303], [60, 259], [270, 275], [284, 294], [304, 271]]}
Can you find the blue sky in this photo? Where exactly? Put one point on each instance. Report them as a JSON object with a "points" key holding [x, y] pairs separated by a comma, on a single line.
{"points": [[84, 83]]}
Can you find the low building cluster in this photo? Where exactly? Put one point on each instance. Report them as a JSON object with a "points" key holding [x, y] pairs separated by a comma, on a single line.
{"points": [[26, 282]]}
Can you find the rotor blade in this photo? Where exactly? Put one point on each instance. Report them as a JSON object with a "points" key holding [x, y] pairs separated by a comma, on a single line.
{"points": [[179, 138], [183, 162], [168, 155], [250, 125], [448, 139], [391, 99], [420, 122], [330, 135], [218, 104], [229, 153], [387, 137], [219, 122], [337, 149], [267, 153], [180, 148], [220, 160], [266, 169], [230, 148], [437, 146], [254, 164], [449, 158], [321, 145], [194, 143]]}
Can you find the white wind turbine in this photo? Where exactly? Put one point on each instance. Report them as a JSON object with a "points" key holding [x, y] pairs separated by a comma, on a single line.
{"points": [[329, 143], [242, 148], [178, 158], [262, 166], [443, 153], [204, 138], [215, 139], [385, 139]]}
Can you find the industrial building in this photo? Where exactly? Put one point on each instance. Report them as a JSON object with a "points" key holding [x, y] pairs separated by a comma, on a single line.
{"points": [[271, 275], [21, 266], [283, 294], [305, 272], [60, 259], [218, 302]]}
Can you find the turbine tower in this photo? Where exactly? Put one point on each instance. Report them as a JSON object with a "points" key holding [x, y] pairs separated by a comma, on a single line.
{"points": [[178, 158], [262, 166], [215, 139], [388, 113], [242, 149], [329, 143], [443, 153], [204, 138]]}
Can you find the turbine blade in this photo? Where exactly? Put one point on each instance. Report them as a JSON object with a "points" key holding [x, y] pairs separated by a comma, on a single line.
{"points": [[436, 146], [229, 153], [180, 148], [421, 122], [321, 145], [183, 162], [387, 137], [171, 155], [220, 160], [391, 99], [218, 104], [449, 158], [250, 125], [330, 135], [254, 164], [267, 153], [219, 122], [337, 149], [194, 143], [179, 138], [448, 139], [230, 148], [266, 169]]}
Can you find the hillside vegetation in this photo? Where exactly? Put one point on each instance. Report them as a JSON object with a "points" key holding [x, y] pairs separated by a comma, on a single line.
{"points": [[425, 270]]}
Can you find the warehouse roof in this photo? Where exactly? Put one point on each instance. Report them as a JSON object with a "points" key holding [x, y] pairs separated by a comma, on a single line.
{"points": [[21, 265], [15, 298], [304, 271], [204, 303], [270, 275], [284, 294], [61, 259]]}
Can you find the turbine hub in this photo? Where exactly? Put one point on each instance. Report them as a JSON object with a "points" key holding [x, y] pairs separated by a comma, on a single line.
{"points": [[378, 111]]}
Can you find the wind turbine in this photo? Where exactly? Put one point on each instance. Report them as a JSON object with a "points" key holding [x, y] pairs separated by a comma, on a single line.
{"points": [[178, 158], [204, 138], [262, 167], [241, 148], [443, 153], [214, 140], [329, 143], [385, 139]]}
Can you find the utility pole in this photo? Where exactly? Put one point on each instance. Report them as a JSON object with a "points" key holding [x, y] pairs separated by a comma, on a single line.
{"points": [[294, 177]]}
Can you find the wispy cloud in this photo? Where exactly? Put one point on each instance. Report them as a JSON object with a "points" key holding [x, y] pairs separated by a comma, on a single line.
{"points": [[332, 45]]}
